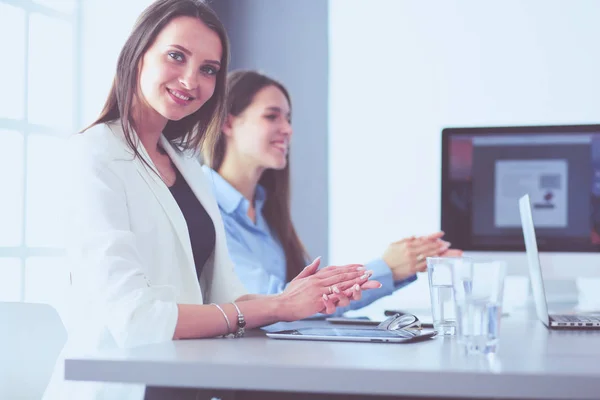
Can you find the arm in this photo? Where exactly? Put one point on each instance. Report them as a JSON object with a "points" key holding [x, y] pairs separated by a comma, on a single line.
{"points": [[304, 296], [196, 321], [399, 265], [107, 269]]}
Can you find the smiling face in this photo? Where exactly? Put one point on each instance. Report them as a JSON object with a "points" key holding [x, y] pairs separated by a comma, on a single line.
{"points": [[178, 72], [261, 134]]}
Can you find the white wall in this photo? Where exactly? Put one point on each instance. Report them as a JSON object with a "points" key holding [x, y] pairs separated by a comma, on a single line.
{"points": [[106, 24], [400, 71]]}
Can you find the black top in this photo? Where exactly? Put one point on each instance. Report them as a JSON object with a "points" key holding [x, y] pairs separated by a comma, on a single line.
{"points": [[199, 223]]}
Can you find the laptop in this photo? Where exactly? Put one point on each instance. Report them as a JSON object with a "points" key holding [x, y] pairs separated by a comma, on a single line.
{"points": [[552, 321]]}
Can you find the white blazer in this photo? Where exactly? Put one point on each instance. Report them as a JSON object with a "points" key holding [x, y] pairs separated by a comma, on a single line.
{"points": [[129, 255]]}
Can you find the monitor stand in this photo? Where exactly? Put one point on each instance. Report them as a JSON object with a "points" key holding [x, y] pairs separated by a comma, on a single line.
{"points": [[561, 272], [562, 294]]}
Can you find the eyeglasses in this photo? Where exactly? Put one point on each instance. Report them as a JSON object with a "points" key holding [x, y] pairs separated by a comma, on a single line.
{"points": [[405, 322]]}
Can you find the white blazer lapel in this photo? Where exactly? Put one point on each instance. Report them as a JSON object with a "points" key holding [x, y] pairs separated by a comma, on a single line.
{"points": [[166, 200], [194, 176]]}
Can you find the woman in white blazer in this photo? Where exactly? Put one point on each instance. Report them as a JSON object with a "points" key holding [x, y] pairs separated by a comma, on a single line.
{"points": [[137, 275]]}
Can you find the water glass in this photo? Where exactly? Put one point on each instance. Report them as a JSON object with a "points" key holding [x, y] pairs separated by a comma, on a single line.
{"points": [[443, 310], [478, 290]]}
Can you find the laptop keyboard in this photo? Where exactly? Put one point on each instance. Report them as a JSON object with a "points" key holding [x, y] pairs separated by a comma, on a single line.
{"points": [[575, 318]]}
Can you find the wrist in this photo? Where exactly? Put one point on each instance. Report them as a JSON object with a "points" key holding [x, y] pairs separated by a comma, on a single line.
{"points": [[387, 263], [277, 307], [399, 275], [395, 269]]}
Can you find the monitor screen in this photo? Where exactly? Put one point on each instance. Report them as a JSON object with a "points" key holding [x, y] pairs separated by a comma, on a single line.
{"points": [[486, 170]]}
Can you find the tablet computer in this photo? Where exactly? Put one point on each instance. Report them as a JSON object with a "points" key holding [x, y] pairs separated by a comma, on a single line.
{"points": [[355, 335], [352, 321]]}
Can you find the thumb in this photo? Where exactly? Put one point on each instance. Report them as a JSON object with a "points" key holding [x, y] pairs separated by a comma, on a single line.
{"points": [[309, 269]]}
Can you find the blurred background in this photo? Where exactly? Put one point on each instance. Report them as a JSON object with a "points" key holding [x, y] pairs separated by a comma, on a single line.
{"points": [[372, 83]]}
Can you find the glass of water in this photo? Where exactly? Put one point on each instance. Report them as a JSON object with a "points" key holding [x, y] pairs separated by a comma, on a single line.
{"points": [[443, 310], [478, 291]]}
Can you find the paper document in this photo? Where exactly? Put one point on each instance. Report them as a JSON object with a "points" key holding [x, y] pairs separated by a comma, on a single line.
{"points": [[546, 183]]}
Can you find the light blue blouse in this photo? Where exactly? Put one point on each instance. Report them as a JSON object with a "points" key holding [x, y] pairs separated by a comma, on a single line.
{"points": [[258, 256]]}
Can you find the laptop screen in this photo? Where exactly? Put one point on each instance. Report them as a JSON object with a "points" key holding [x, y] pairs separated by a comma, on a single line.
{"points": [[533, 259]]}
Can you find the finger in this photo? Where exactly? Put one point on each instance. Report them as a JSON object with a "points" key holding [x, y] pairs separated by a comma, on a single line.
{"points": [[453, 253], [347, 279], [434, 236], [421, 266], [329, 305], [358, 281], [371, 285], [355, 292], [309, 269], [368, 285], [431, 248], [343, 300], [333, 270]]}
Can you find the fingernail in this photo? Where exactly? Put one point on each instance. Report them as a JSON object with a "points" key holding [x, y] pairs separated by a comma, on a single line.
{"points": [[324, 297], [360, 268], [380, 285], [316, 259], [335, 289], [367, 274], [357, 287]]}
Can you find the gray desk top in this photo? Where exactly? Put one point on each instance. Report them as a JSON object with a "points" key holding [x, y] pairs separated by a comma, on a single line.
{"points": [[532, 363]]}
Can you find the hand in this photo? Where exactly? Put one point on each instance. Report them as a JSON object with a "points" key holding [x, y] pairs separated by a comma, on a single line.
{"points": [[344, 298], [408, 256], [307, 294], [452, 253]]}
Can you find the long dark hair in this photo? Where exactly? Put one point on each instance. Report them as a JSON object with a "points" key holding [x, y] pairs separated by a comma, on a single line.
{"points": [[198, 131], [242, 86]]}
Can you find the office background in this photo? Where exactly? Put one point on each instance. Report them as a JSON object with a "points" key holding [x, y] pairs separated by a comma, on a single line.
{"points": [[373, 83]]}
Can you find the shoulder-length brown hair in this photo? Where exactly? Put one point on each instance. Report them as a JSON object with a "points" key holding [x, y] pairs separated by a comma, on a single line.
{"points": [[197, 131], [242, 86]]}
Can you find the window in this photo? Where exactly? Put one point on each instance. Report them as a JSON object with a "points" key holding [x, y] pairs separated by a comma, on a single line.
{"points": [[39, 108]]}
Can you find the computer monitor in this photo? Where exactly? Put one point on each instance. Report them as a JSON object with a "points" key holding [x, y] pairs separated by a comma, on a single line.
{"points": [[486, 170]]}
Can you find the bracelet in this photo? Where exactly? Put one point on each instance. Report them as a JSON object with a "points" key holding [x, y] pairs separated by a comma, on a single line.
{"points": [[241, 323], [225, 316]]}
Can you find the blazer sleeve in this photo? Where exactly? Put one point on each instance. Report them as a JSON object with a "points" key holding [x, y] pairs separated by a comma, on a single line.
{"points": [[107, 271]]}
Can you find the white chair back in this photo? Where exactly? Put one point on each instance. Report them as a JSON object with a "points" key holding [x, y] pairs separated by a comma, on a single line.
{"points": [[31, 337]]}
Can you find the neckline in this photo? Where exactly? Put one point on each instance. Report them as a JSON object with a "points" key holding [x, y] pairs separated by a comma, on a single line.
{"points": [[178, 177]]}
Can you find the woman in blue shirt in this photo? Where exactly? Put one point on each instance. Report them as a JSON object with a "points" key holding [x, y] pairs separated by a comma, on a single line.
{"points": [[251, 178]]}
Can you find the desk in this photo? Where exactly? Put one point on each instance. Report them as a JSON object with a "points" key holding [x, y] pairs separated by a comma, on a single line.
{"points": [[533, 363]]}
